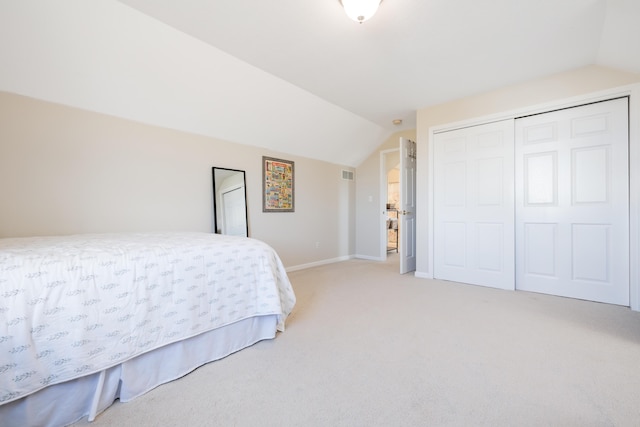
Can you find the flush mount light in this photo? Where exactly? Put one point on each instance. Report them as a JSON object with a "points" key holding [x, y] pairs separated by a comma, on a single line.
{"points": [[360, 10], [397, 122]]}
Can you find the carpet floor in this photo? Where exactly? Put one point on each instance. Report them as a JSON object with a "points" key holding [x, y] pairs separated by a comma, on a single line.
{"points": [[366, 346]]}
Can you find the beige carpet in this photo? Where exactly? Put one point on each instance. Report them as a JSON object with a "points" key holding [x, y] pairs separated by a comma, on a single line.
{"points": [[366, 346]]}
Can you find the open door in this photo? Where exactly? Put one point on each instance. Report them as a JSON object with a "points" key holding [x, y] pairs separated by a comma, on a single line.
{"points": [[407, 208]]}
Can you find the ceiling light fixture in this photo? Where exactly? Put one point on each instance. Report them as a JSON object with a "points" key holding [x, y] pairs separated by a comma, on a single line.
{"points": [[360, 10]]}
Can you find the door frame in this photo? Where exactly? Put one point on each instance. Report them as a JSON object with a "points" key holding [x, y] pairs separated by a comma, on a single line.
{"points": [[633, 92]]}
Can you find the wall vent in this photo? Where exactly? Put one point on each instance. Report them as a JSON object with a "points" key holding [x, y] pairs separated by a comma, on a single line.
{"points": [[348, 175]]}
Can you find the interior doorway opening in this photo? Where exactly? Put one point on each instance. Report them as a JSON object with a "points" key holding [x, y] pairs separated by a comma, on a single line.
{"points": [[389, 197], [393, 199], [398, 219]]}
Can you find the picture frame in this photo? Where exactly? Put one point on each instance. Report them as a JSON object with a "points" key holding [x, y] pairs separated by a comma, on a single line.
{"points": [[278, 189]]}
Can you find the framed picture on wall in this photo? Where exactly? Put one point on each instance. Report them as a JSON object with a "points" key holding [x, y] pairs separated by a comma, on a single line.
{"points": [[277, 185]]}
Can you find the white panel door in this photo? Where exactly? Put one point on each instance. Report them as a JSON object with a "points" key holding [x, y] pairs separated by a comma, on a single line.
{"points": [[572, 202], [407, 212], [234, 213], [474, 205]]}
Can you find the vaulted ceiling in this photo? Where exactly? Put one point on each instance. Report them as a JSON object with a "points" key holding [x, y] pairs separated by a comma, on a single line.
{"points": [[299, 76]]}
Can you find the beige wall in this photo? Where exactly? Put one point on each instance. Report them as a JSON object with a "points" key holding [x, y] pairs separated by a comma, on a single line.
{"points": [[520, 97], [65, 171]]}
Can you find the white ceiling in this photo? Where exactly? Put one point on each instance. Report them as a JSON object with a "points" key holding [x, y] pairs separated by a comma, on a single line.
{"points": [[412, 53], [298, 76]]}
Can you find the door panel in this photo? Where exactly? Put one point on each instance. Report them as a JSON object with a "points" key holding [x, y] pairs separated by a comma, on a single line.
{"points": [[455, 244], [473, 205], [591, 254], [489, 246], [455, 181], [233, 215], [572, 202], [407, 212], [539, 245], [591, 175], [541, 179]]}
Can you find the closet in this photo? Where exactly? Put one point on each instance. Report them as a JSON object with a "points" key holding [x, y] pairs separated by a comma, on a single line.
{"points": [[538, 203]]}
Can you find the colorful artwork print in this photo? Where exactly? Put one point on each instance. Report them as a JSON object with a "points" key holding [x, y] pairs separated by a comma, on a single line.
{"points": [[277, 194]]}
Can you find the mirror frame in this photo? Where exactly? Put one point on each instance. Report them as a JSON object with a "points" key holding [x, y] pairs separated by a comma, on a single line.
{"points": [[215, 207]]}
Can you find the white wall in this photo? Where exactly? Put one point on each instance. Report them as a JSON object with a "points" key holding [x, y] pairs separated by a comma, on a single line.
{"points": [[64, 170]]}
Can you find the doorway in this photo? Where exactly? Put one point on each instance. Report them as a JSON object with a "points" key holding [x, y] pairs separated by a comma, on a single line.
{"points": [[398, 219], [392, 204], [390, 197]]}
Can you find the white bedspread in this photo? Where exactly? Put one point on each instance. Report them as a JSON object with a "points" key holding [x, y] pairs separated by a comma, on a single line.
{"points": [[75, 305]]}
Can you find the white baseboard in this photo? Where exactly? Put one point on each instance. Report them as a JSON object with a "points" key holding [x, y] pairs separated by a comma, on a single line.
{"points": [[317, 263], [422, 275], [370, 258]]}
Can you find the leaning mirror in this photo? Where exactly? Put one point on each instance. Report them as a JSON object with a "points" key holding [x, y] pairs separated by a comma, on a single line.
{"points": [[229, 202]]}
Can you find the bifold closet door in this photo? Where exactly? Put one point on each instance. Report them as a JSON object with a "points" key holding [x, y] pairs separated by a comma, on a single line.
{"points": [[474, 205], [572, 202]]}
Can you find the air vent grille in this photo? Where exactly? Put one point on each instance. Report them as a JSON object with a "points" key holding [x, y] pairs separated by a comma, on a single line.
{"points": [[348, 175]]}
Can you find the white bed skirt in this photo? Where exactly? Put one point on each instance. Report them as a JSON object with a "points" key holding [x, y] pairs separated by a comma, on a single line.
{"points": [[65, 403]]}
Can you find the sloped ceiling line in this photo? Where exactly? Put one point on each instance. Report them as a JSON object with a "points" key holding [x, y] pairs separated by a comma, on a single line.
{"points": [[298, 77]]}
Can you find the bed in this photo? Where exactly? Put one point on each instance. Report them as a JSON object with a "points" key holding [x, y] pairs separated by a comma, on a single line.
{"points": [[88, 319]]}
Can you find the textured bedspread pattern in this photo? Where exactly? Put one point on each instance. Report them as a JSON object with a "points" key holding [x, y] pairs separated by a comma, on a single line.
{"points": [[76, 305]]}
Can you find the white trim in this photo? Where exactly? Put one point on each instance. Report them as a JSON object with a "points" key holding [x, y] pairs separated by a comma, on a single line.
{"points": [[430, 210], [634, 197], [539, 108], [370, 258], [422, 275], [318, 263], [633, 92]]}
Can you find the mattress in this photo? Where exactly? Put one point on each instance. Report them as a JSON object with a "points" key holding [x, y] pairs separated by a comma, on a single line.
{"points": [[74, 306], [88, 396]]}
